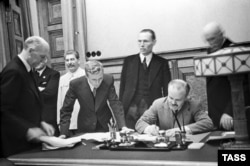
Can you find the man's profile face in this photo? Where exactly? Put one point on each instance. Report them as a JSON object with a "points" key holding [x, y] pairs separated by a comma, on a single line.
{"points": [[41, 65], [37, 56], [71, 62], [176, 98], [215, 40], [95, 79], [146, 43]]}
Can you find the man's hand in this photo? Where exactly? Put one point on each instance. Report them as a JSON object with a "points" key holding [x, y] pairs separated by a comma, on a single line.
{"points": [[171, 132], [49, 129], [152, 130], [226, 122], [127, 130], [62, 136], [34, 134]]}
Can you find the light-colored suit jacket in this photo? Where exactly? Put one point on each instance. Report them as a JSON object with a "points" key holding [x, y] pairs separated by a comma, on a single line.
{"points": [[191, 115], [62, 90]]}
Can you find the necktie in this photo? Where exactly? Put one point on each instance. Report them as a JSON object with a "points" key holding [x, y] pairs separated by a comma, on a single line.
{"points": [[94, 92], [144, 64]]}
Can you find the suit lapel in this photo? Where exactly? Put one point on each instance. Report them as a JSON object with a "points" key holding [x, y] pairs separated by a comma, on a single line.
{"points": [[100, 95], [155, 66], [45, 72], [134, 68], [31, 80], [88, 96], [33, 86], [182, 113], [169, 116]]}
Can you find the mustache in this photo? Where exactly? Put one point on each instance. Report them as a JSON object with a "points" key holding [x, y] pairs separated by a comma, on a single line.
{"points": [[71, 65], [175, 105]]}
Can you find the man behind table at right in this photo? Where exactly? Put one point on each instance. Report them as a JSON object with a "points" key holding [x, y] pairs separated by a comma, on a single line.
{"points": [[218, 87], [175, 112]]}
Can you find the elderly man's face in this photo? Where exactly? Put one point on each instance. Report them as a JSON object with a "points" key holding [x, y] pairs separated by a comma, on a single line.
{"points": [[41, 65], [215, 40], [176, 98], [37, 56]]}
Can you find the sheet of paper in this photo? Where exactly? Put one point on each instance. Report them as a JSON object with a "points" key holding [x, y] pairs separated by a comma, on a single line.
{"points": [[223, 136], [99, 137], [197, 137], [50, 143]]}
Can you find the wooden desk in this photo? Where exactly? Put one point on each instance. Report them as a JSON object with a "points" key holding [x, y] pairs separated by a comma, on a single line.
{"points": [[84, 155]]}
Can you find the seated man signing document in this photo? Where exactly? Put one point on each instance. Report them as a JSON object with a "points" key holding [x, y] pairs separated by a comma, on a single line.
{"points": [[174, 113]]}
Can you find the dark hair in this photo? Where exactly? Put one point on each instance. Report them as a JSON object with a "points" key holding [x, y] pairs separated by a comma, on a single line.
{"points": [[72, 52], [150, 31]]}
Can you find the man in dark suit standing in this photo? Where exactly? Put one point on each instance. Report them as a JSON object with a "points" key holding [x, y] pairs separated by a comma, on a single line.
{"points": [[218, 87], [47, 81], [21, 106], [144, 78], [98, 102]]}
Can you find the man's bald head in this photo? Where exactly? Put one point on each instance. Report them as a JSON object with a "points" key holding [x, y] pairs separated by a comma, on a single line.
{"points": [[214, 35]]}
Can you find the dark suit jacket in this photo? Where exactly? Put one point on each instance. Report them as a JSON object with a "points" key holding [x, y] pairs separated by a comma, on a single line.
{"points": [[49, 79], [219, 93], [91, 110], [21, 107], [159, 77]]}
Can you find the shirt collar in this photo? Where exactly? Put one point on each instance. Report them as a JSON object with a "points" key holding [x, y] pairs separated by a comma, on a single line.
{"points": [[41, 71], [27, 66], [90, 85], [148, 58], [75, 74]]}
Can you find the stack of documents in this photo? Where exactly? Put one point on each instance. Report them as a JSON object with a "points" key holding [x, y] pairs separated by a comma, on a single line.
{"points": [[50, 143]]}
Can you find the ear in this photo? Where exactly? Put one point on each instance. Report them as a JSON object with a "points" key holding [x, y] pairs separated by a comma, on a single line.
{"points": [[31, 49], [78, 61], [155, 42], [46, 60]]}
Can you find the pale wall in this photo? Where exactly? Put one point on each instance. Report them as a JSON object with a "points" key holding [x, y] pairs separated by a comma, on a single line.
{"points": [[113, 25]]}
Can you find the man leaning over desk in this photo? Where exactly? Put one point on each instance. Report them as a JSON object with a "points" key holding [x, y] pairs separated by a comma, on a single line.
{"points": [[93, 91], [175, 112]]}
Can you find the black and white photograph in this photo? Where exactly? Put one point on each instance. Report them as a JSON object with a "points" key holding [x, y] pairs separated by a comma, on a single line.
{"points": [[125, 82]]}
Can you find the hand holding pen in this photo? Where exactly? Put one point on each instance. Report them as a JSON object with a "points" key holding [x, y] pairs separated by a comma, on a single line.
{"points": [[152, 130], [112, 125]]}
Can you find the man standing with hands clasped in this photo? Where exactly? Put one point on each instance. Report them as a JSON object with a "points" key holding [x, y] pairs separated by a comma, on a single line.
{"points": [[174, 113], [144, 78]]}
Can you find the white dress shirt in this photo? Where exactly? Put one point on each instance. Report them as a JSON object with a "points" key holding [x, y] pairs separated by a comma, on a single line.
{"points": [[148, 58]]}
